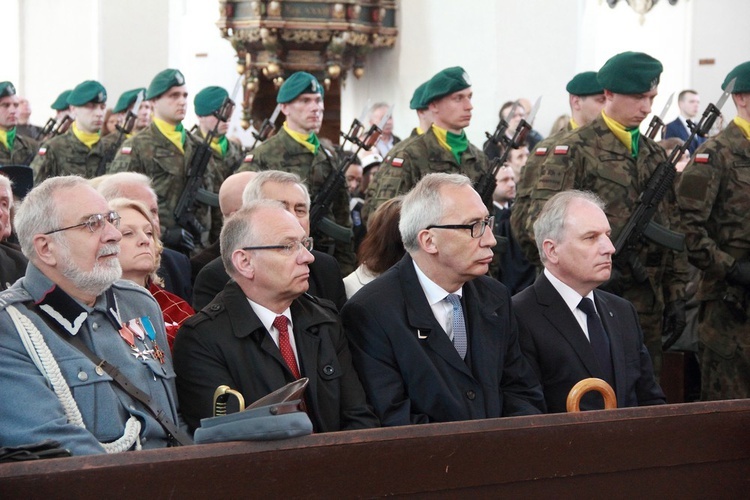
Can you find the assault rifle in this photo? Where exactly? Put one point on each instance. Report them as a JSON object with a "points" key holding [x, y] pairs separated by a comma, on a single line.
{"points": [[267, 127], [487, 182], [498, 137], [49, 131], [640, 223], [122, 132], [657, 122], [184, 212], [336, 180]]}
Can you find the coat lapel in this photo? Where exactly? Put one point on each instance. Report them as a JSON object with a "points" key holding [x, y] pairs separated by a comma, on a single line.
{"points": [[556, 312], [616, 344], [421, 319]]}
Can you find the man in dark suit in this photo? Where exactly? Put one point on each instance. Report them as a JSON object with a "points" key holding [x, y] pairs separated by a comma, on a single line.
{"points": [[562, 342], [689, 103], [263, 331], [175, 266], [286, 187], [433, 338]]}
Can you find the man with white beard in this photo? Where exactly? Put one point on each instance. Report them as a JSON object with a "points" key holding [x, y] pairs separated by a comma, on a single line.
{"points": [[81, 358]]}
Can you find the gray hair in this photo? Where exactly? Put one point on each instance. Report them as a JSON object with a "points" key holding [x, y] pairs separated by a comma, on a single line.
{"points": [[38, 213], [550, 225], [239, 231], [112, 186], [375, 107], [254, 189], [423, 206]]}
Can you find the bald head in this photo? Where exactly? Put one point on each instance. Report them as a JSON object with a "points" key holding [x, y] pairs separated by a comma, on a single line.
{"points": [[230, 192]]}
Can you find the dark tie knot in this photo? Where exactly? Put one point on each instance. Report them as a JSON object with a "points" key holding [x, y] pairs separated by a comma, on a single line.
{"points": [[587, 306]]}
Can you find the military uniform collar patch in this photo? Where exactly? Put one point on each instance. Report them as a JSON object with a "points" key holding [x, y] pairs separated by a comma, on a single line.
{"points": [[68, 313]]}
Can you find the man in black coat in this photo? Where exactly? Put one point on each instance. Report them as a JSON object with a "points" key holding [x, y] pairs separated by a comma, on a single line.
{"points": [[325, 275], [433, 338], [562, 342], [262, 331]]}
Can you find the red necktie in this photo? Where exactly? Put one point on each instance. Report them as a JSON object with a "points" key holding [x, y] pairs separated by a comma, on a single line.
{"points": [[284, 346]]}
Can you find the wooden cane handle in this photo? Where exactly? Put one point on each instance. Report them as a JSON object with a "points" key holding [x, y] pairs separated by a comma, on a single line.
{"points": [[573, 403]]}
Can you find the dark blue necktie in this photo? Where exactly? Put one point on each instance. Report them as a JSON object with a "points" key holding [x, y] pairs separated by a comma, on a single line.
{"points": [[598, 338]]}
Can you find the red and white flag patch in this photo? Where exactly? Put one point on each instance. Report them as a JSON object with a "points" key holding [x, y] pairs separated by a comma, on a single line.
{"points": [[701, 158], [397, 162], [540, 152], [42, 151], [126, 150], [248, 159], [561, 150]]}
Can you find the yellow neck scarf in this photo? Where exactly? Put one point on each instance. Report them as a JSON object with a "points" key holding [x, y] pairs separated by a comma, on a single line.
{"points": [[420, 131], [744, 125], [628, 137], [573, 124], [6, 137], [442, 136], [89, 139], [310, 141], [175, 134]]}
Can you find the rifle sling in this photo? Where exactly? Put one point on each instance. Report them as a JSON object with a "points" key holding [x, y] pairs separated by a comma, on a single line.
{"points": [[173, 431]]}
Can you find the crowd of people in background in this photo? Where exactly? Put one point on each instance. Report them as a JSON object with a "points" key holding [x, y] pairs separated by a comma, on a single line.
{"points": [[136, 253]]}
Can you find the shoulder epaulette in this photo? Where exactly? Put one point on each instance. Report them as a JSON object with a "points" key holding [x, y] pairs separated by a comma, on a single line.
{"points": [[13, 295]]}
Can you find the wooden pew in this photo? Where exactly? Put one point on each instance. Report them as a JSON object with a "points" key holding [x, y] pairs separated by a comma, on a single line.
{"points": [[697, 450]]}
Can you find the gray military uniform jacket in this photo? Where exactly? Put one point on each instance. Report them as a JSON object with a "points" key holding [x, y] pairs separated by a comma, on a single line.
{"points": [[30, 411]]}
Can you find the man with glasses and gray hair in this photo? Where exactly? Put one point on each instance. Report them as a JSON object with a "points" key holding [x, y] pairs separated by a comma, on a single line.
{"points": [[263, 331], [433, 338], [72, 304]]}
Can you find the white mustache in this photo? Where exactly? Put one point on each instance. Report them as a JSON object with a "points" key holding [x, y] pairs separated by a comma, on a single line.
{"points": [[109, 249]]}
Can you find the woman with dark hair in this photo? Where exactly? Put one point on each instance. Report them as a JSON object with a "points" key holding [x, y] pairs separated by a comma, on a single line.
{"points": [[380, 249]]}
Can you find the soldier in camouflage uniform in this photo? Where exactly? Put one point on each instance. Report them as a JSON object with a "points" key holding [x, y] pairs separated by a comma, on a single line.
{"points": [[611, 158], [296, 148], [14, 148], [226, 155], [443, 148], [79, 150], [713, 196], [586, 98], [163, 151], [113, 142]]}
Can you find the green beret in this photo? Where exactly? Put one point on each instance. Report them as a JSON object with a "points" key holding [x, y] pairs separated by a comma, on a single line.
{"points": [[164, 81], [742, 73], [61, 103], [584, 84], [86, 92], [416, 99], [127, 99], [7, 89], [299, 83], [209, 100], [630, 73], [446, 82]]}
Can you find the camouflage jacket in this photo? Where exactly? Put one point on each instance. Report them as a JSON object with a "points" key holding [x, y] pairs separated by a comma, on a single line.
{"points": [[714, 196], [523, 215], [282, 152], [592, 158], [150, 152], [66, 155], [414, 158], [24, 150]]}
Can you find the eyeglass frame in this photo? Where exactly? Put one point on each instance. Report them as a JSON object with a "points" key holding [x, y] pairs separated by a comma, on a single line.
{"points": [[488, 221], [95, 219], [289, 248]]}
